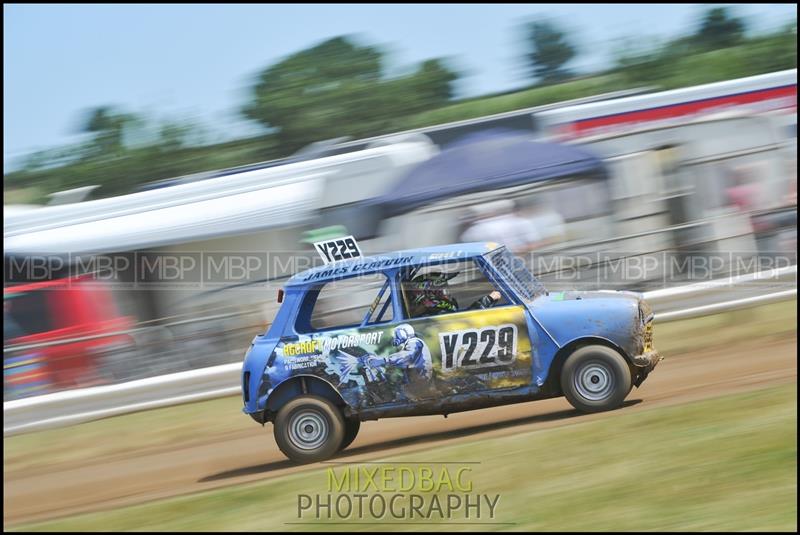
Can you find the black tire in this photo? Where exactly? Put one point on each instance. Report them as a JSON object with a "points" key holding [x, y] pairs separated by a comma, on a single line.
{"points": [[351, 427], [309, 429], [596, 378]]}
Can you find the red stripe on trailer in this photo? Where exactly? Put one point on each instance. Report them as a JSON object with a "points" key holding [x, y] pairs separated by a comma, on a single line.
{"points": [[784, 98]]}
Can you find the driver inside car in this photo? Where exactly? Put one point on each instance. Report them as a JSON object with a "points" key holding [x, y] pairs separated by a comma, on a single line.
{"points": [[429, 295]]}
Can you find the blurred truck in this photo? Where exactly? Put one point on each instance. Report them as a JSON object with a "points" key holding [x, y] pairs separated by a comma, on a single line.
{"points": [[60, 334]]}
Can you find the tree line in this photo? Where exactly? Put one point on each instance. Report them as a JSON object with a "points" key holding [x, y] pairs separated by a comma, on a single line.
{"points": [[340, 88]]}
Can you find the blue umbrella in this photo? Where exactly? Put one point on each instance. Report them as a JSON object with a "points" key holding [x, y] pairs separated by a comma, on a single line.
{"points": [[486, 161]]}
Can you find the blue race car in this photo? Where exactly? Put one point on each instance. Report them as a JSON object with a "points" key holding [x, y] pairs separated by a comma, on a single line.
{"points": [[435, 331]]}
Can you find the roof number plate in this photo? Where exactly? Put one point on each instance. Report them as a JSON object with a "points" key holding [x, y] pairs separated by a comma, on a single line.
{"points": [[338, 249]]}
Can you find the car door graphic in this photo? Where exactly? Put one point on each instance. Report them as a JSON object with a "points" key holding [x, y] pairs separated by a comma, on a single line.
{"points": [[413, 360], [477, 350]]}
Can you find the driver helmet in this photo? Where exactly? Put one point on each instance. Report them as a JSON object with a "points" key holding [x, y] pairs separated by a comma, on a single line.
{"points": [[402, 333], [430, 291]]}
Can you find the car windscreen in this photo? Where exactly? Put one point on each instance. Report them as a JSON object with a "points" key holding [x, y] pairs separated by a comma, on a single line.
{"points": [[513, 271]]}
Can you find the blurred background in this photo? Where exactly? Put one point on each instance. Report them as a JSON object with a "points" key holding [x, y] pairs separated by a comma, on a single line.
{"points": [[165, 169]]}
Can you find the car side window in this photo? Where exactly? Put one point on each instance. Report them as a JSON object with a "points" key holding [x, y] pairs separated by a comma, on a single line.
{"points": [[446, 288], [351, 302]]}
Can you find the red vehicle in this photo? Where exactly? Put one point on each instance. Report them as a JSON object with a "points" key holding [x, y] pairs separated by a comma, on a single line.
{"points": [[63, 309]]}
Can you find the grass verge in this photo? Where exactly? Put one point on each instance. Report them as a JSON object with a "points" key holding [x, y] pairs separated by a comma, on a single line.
{"points": [[775, 319], [728, 463]]}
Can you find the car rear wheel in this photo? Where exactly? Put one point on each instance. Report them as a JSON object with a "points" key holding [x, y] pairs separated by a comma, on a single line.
{"points": [[351, 427], [309, 429], [595, 378]]}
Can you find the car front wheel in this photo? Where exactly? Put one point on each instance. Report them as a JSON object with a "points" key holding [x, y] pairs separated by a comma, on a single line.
{"points": [[351, 427], [595, 378], [309, 429]]}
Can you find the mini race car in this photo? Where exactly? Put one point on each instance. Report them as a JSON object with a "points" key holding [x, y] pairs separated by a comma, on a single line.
{"points": [[435, 331]]}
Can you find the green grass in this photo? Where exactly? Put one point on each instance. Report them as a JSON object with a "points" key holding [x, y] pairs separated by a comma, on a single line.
{"points": [[775, 319], [528, 98], [729, 463], [135, 432], [203, 421], [23, 195]]}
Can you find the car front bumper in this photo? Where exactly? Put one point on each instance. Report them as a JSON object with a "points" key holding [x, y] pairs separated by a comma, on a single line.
{"points": [[645, 363]]}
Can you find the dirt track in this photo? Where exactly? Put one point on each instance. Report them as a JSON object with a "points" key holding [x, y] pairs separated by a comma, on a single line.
{"points": [[252, 454]]}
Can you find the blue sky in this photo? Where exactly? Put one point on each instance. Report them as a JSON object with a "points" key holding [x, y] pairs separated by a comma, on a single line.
{"points": [[196, 61]]}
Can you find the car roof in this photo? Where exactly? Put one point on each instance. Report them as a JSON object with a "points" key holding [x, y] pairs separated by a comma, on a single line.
{"points": [[378, 263]]}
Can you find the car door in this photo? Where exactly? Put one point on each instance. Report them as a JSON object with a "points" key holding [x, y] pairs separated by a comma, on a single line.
{"points": [[473, 350], [476, 351]]}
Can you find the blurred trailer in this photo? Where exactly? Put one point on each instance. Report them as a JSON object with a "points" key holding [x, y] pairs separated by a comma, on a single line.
{"points": [[651, 199], [685, 176], [257, 211], [676, 159], [156, 250], [776, 91]]}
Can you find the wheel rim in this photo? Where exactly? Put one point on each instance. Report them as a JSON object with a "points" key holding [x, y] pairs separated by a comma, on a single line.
{"points": [[594, 381], [308, 430]]}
